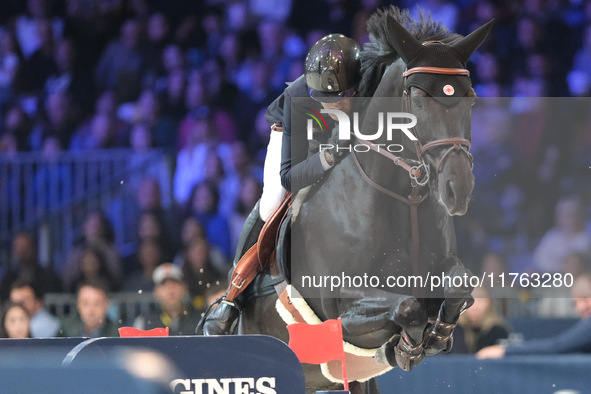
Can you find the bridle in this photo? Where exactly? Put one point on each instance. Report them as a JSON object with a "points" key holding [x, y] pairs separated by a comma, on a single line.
{"points": [[454, 143], [418, 170]]}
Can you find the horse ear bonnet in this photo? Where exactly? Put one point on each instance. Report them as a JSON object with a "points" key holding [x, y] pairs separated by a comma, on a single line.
{"points": [[435, 54]]}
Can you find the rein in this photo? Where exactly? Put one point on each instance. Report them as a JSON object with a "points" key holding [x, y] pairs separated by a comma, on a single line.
{"points": [[413, 201], [418, 178]]}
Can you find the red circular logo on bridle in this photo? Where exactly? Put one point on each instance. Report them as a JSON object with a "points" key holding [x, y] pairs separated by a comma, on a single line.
{"points": [[448, 90]]}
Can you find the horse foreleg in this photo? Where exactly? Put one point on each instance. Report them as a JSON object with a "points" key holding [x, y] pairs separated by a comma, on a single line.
{"points": [[412, 317], [457, 299]]}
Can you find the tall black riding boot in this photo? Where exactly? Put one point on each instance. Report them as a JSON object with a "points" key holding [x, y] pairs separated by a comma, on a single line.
{"points": [[222, 320]]}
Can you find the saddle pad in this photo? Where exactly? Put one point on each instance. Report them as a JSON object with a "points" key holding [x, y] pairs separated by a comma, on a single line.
{"points": [[361, 364]]}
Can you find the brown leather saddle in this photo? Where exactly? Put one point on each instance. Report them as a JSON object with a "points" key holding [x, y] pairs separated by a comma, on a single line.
{"points": [[262, 254]]}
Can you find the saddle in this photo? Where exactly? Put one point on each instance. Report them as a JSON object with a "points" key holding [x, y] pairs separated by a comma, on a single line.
{"points": [[262, 254]]}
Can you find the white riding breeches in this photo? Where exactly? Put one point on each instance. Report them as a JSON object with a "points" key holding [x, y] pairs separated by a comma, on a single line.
{"points": [[273, 192]]}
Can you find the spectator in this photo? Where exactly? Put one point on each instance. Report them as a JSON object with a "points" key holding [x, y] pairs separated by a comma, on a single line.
{"points": [[190, 161], [152, 224], [480, 325], [15, 322], [239, 168], [567, 236], [272, 36], [577, 339], [250, 192], [141, 142], [43, 324], [556, 302], [92, 26], [99, 133], [173, 92], [158, 37], [107, 104], [17, 124], [27, 25], [150, 199], [68, 78], [191, 229], [11, 63], [204, 202], [25, 265], [221, 93], [10, 204], [197, 111], [57, 118], [120, 66], [257, 94], [53, 180], [41, 64], [92, 304], [170, 291], [212, 23], [97, 231], [147, 110], [582, 60], [150, 255], [199, 272], [92, 266], [233, 52], [215, 173]]}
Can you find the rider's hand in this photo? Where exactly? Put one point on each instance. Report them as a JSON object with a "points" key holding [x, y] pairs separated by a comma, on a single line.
{"points": [[334, 154]]}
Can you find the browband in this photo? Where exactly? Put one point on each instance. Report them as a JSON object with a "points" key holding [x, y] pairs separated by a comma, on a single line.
{"points": [[436, 70]]}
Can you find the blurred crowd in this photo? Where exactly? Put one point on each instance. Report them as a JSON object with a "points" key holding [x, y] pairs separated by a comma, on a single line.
{"points": [[194, 78]]}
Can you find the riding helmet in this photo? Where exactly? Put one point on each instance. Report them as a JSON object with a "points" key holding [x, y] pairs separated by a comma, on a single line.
{"points": [[333, 68]]}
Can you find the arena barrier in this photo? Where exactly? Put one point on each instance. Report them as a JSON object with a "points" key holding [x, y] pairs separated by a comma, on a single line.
{"points": [[515, 374], [224, 364], [35, 366]]}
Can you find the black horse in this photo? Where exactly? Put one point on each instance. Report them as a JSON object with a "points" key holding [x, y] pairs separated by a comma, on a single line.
{"points": [[380, 213]]}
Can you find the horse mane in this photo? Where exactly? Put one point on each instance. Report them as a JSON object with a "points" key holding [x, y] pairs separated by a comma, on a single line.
{"points": [[379, 52]]}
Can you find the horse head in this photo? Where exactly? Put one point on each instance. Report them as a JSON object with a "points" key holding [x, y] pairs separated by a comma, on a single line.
{"points": [[432, 78]]}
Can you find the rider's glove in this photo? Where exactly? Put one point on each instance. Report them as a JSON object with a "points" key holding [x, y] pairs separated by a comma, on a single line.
{"points": [[334, 154]]}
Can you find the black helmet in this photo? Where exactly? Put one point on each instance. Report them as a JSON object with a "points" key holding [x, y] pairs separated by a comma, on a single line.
{"points": [[333, 68]]}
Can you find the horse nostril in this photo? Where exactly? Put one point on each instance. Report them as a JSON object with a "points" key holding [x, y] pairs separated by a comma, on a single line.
{"points": [[449, 190]]}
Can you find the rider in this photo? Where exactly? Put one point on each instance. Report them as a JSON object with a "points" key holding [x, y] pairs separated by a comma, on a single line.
{"points": [[332, 75]]}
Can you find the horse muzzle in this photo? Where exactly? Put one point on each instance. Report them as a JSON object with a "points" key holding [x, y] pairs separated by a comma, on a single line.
{"points": [[455, 182]]}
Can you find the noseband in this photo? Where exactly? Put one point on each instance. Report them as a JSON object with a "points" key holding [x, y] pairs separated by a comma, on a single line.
{"points": [[455, 144]]}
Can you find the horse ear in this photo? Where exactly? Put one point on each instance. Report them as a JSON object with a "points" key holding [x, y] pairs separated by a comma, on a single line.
{"points": [[405, 44], [467, 45]]}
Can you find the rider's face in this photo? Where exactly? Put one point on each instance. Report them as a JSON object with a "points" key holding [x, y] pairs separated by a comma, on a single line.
{"points": [[343, 105]]}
